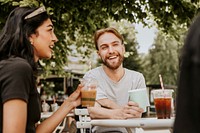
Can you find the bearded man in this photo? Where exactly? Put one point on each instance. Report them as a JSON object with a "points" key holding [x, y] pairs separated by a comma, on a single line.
{"points": [[112, 101]]}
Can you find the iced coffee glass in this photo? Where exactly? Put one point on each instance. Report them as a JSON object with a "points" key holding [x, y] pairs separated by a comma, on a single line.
{"points": [[162, 102], [88, 93]]}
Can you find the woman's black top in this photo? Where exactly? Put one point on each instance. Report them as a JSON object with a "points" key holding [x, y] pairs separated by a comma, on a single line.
{"points": [[17, 82]]}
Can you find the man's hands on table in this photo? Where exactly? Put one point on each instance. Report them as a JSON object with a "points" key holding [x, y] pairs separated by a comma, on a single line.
{"points": [[107, 109], [131, 110]]}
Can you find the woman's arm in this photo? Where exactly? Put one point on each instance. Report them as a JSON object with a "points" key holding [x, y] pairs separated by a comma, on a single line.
{"points": [[14, 116], [53, 121]]}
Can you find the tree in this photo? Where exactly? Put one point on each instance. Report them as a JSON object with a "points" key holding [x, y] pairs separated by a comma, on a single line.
{"points": [[74, 18], [162, 59], [127, 29]]}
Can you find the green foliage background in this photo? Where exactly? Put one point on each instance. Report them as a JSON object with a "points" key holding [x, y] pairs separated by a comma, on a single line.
{"points": [[76, 20]]}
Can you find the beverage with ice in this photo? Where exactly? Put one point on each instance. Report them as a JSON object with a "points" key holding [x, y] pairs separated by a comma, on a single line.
{"points": [[88, 93], [162, 102], [88, 98], [163, 107]]}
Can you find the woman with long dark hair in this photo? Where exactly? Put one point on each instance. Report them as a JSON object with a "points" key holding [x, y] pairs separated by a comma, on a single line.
{"points": [[188, 93], [27, 36]]}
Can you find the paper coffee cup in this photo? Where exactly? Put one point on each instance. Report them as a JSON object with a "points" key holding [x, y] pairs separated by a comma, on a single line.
{"points": [[140, 97]]}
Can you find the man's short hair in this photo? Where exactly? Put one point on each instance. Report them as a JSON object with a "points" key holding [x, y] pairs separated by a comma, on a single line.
{"points": [[100, 32]]}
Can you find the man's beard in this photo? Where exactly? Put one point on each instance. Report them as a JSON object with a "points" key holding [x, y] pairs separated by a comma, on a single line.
{"points": [[115, 65]]}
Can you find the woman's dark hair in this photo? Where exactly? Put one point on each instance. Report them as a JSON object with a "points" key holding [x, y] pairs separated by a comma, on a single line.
{"points": [[188, 93], [14, 37]]}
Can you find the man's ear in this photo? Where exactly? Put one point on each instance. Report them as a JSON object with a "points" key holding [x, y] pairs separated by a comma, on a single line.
{"points": [[124, 50], [98, 53]]}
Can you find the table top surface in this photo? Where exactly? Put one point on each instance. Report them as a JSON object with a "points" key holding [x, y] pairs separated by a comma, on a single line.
{"points": [[136, 122]]}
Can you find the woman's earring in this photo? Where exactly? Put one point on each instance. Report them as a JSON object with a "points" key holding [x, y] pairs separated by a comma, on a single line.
{"points": [[31, 42]]}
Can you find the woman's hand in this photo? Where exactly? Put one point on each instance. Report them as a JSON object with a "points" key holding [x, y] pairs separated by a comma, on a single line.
{"points": [[75, 97]]}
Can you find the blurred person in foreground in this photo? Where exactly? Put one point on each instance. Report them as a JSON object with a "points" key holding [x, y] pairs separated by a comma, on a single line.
{"points": [[187, 118], [27, 36], [112, 101]]}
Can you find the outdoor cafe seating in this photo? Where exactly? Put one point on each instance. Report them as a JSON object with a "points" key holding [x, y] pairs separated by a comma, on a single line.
{"points": [[137, 125], [147, 124], [61, 126]]}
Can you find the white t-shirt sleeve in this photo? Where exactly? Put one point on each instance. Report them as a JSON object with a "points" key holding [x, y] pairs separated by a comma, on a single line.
{"points": [[141, 81]]}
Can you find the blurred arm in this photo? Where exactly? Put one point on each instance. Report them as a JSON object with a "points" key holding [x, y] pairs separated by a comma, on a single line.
{"points": [[14, 116], [49, 125]]}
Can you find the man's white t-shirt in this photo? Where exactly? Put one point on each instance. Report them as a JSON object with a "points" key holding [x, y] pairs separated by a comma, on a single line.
{"points": [[115, 91]]}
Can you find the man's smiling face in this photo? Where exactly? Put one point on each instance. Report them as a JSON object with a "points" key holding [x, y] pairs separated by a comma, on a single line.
{"points": [[111, 50]]}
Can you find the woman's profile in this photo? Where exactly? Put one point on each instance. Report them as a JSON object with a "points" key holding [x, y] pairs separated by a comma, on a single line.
{"points": [[28, 35]]}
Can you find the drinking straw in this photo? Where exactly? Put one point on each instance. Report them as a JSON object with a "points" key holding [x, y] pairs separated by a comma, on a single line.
{"points": [[90, 65], [161, 82], [54, 99]]}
